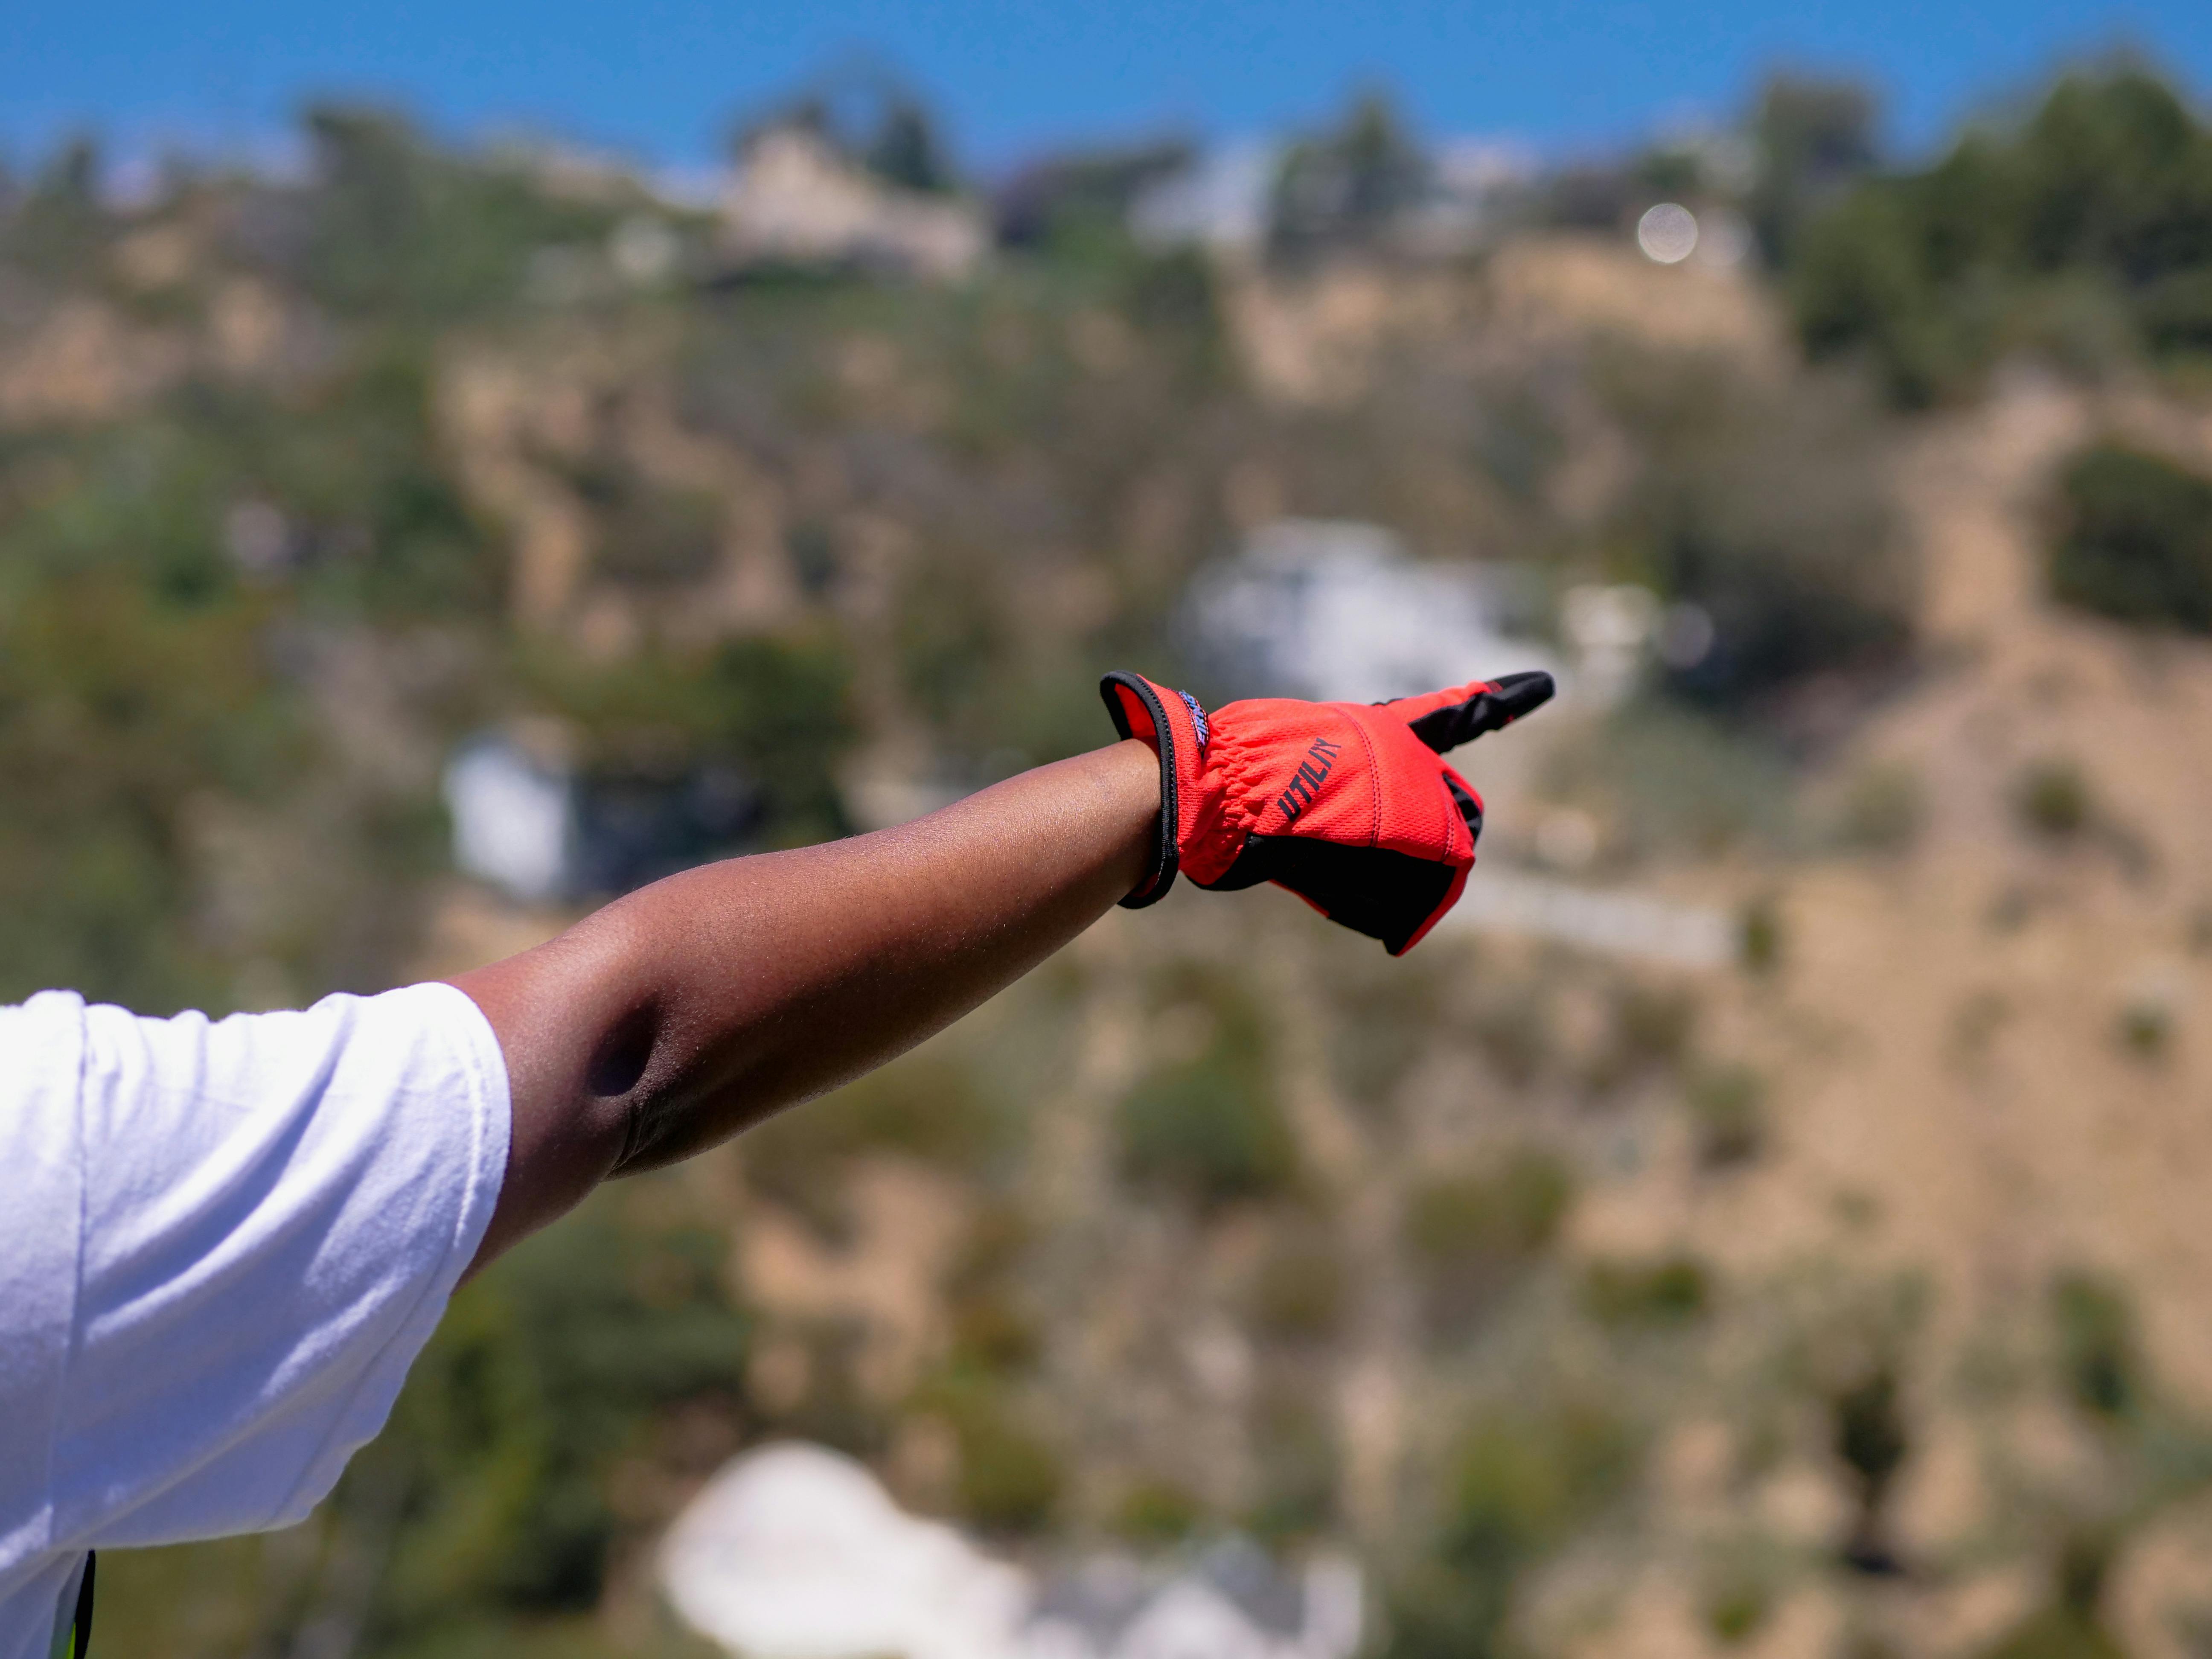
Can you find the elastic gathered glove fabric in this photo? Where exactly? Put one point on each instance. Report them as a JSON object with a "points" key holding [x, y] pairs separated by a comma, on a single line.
{"points": [[1350, 805]]}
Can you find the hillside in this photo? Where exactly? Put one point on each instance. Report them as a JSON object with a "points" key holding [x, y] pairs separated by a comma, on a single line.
{"points": [[1844, 1298]]}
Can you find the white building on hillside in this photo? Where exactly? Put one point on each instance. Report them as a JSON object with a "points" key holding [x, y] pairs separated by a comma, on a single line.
{"points": [[794, 199], [794, 1551], [1219, 201], [1334, 609], [513, 812]]}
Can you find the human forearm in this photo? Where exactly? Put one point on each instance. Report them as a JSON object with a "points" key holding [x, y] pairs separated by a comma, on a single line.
{"points": [[679, 1015]]}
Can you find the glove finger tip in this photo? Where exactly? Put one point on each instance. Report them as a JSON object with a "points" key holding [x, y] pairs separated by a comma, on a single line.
{"points": [[1520, 692]]}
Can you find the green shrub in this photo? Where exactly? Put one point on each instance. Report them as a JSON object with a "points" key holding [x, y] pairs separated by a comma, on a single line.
{"points": [[993, 1330], [1814, 137], [1513, 1029], [2144, 1027], [1760, 935], [990, 1332], [1209, 1128], [2070, 1625], [546, 1372], [2099, 1358], [1011, 1478], [1872, 1441], [2056, 1633], [1672, 779], [1156, 1511], [2135, 541], [1737, 1606], [2052, 798], [1507, 1213], [1299, 1293], [1726, 1108], [1515, 1489], [1672, 1291]]}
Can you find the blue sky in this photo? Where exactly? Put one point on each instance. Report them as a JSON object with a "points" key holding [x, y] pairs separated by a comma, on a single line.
{"points": [[661, 79]]}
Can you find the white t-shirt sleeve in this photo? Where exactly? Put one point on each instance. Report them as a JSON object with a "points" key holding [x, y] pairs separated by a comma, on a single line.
{"points": [[232, 1240]]}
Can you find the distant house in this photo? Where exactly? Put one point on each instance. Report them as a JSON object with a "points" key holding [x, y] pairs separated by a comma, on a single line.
{"points": [[1224, 199], [1219, 201], [1231, 1601], [1337, 610], [796, 199], [513, 810], [795, 1552], [526, 821]]}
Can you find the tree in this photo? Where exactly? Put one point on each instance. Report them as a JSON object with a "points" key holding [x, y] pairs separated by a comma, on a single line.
{"points": [[1349, 186], [1815, 138], [2089, 221]]}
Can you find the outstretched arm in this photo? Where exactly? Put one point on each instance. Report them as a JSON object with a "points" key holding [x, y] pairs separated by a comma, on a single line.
{"points": [[675, 1017], [678, 1016]]}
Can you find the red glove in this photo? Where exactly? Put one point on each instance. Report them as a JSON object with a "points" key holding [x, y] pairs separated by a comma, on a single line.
{"points": [[1350, 805]]}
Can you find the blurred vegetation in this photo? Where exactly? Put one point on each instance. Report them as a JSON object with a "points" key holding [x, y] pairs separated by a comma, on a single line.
{"points": [[2085, 224], [2052, 798], [1302, 1289], [1629, 1294], [2097, 1354], [245, 617], [927, 1106], [1884, 809], [1208, 1127], [776, 712], [1521, 1484], [1813, 138], [1348, 185], [2136, 543], [1295, 1446], [1157, 1512], [1010, 1477], [1471, 1234], [397, 228], [1727, 1115], [1798, 582]]}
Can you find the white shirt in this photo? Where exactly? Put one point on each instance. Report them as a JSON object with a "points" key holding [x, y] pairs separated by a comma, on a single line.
{"points": [[222, 1245]]}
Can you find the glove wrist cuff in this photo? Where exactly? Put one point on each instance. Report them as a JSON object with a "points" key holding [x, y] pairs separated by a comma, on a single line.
{"points": [[1142, 710]]}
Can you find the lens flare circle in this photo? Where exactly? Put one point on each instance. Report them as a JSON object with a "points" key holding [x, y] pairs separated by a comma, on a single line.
{"points": [[1667, 233]]}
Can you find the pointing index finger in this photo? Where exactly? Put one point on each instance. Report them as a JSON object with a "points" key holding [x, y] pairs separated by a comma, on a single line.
{"points": [[1445, 719]]}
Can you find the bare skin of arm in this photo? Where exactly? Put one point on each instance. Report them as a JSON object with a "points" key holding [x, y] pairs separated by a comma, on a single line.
{"points": [[677, 1017]]}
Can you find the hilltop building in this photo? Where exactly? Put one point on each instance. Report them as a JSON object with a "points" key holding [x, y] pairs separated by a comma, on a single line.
{"points": [[795, 199]]}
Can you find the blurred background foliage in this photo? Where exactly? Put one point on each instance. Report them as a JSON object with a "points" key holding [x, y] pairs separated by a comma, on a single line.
{"points": [[2079, 230], [306, 479]]}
